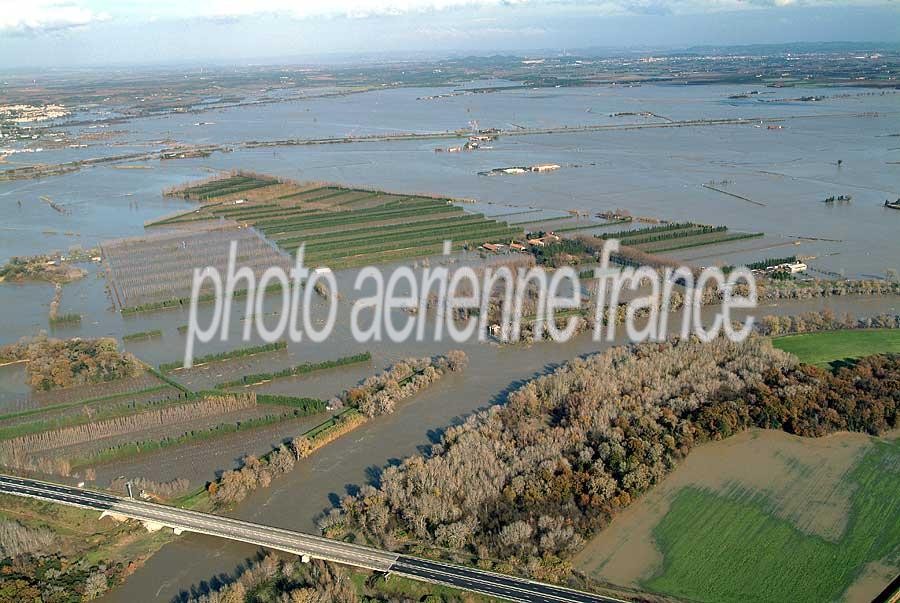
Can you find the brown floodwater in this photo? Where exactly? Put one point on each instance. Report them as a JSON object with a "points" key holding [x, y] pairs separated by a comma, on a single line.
{"points": [[295, 501], [651, 172]]}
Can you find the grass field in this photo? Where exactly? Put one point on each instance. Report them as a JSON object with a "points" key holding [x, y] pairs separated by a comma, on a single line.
{"points": [[733, 547], [827, 347]]}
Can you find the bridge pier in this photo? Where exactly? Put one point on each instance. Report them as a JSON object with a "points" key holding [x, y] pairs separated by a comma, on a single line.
{"points": [[153, 526]]}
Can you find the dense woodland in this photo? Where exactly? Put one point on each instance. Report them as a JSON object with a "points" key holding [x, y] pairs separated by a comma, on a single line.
{"points": [[55, 363], [376, 395], [277, 580], [379, 394], [55, 579], [524, 483], [825, 320], [18, 539], [40, 267]]}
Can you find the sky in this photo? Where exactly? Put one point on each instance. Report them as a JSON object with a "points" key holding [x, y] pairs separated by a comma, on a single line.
{"points": [[71, 33]]}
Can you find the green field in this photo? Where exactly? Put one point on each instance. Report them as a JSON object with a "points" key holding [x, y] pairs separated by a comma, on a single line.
{"points": [[341, 227], [733, 548], [224, 186], [828, 346], [675, 236]]}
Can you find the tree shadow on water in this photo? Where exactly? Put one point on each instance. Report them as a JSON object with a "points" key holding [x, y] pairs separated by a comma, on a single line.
{"points": [[217, 582]]}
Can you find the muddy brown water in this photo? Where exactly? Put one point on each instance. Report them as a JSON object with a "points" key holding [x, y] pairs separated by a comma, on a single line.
{"points": [[295, 501], [657, 172]]}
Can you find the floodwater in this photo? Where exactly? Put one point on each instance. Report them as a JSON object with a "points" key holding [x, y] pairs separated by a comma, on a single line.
{"points": [[297, 499], [656, 172]]}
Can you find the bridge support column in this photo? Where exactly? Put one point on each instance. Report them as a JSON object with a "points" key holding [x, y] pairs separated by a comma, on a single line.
{"points": [[304, 558], [153, 526]]}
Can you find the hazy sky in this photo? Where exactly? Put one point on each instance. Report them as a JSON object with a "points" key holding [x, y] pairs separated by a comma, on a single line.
{"points": [[90, 32]]}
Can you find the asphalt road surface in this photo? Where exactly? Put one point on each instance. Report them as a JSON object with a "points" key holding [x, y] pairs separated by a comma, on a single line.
{"points": [[182, 520]]}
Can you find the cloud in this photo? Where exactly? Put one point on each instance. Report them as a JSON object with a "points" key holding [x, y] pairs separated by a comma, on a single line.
{"points": [[24, 17], [36, 16], [460, 33], [302, 9], [305, 9]]}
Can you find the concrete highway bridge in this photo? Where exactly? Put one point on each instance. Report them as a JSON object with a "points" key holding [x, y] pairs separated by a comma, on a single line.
{"points": [[155, 516]]}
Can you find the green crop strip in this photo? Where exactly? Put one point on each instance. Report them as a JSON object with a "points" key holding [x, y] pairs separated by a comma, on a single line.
{"points": [[238, 353], [142, 335], [352, 234], [66, 405], [300, 369]]}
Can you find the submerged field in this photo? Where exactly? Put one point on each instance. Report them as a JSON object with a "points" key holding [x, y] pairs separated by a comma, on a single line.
{"points": [[827, 347], [96, 429], [717, 528]]}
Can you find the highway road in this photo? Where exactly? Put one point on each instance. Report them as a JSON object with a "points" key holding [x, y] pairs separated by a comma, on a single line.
{"points": [[183, 520]]}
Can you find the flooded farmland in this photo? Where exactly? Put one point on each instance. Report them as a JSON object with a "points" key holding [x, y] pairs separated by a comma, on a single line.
{"points": [[657, 172]]}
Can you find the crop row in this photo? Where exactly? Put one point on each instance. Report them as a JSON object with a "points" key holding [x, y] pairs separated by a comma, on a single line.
{"points": [[409, 237], [237, 189], [181, 302], [183, 218], [249, 250], [384, 257], [328, 214], [479, 234], [707, 241], [142, 335], [114, 453], [122, 425], [230, 211], [216, 184], [624, 234], [581, 227], [302, 406], [217, 188], [286, 214], [293, 371], [407, 214], [355, 199], [111, 411], [216, 191], [418, 248], [230, 354], [78, 403], [352, 217], [393, 206], [673, 234], [304, 192], [65, 319], [279, 212], [354, 235]]}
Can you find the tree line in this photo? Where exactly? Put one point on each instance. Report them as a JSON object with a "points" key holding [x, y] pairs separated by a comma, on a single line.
{"points": [[376, 395], [17, 452], [56, 363], [526, 482]]}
